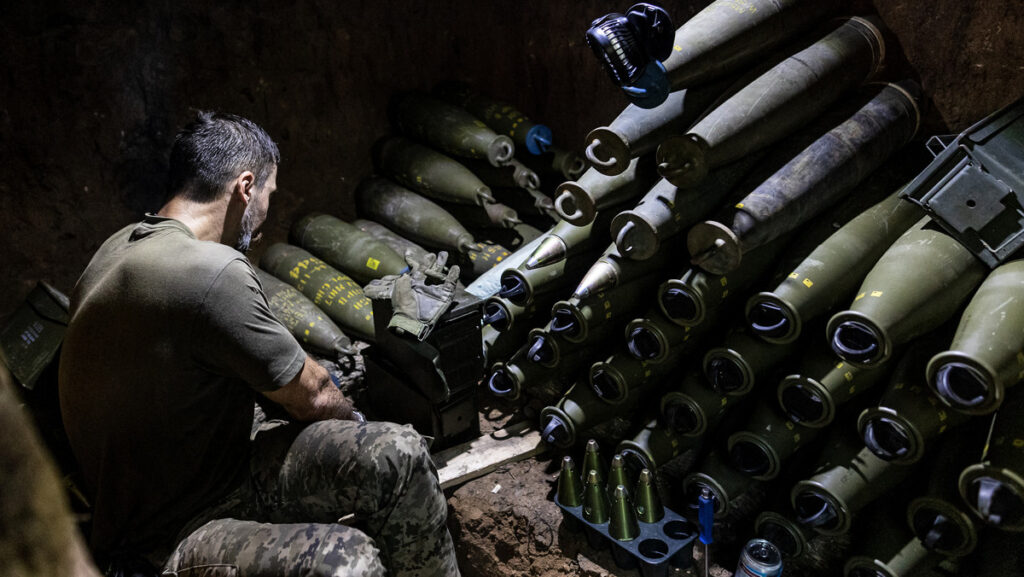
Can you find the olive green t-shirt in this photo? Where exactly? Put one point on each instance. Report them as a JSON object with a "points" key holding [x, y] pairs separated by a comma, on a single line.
{"points": [[169, 340]]}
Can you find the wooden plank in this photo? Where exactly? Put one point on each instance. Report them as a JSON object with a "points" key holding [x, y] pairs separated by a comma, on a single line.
{"points": [[476, 458]]}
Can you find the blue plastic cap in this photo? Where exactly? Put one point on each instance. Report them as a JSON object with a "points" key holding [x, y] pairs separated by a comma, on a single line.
{"points": [[651, 89], [538, 139]]}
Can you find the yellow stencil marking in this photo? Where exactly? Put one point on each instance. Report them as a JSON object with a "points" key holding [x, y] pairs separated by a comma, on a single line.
{"points": [[848, 376], [739, 205], [789, 425], [808, 283], [724, 281], [876, 293], [307, 332], [794, 275], [1018, 443], [860, 296], [372, 263], [677, 48]]}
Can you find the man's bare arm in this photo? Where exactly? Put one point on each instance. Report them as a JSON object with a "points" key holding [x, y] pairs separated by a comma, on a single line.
{"points": [[311, 396]]}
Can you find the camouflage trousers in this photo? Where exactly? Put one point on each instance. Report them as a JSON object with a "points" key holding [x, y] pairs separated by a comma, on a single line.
{"points": [[283, 521]]}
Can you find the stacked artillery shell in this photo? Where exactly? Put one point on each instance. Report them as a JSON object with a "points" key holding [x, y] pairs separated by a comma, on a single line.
{"points": [[768, 439], [994, 487], [725, 482], [908, 416], [489, 283], [429, 172], [499, 345], [501, 117], [784, 532], [486, 215], [396, 242], [653, 446], [985, 356], [346, 248], [619, 377], [654, 339], [845, 483], [487, 257], [611, 270], [306, 321], [556, 164], [449, 128], [412, 215], [667, 210], [812, 180], [764, 107], [735, 366], [637, 131], [691, 298], [577, 201], [333, 291], [575, 319], [727, 36], [509, 379], [550, 349], [695, 408], [917, 285], [938, 517], [821, 384], [830, 273], [580, 410], [511, 175]]}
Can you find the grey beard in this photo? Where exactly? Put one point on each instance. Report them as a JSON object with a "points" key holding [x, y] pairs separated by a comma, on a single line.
{"points": [[248, 226]]}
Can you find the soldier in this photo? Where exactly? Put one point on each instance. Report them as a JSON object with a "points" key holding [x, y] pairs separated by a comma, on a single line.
{"points": [[171, 340]]}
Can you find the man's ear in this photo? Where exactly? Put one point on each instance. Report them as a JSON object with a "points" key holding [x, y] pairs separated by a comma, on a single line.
{"points": [[245, 186]]}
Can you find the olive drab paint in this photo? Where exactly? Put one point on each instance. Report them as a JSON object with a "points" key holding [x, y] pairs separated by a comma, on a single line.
{"points": [[429, 172], [449, 128], [330, 289], [765, 106], [346, 248], [578, 201], [503, 118], [309, 324], [397, 243]]}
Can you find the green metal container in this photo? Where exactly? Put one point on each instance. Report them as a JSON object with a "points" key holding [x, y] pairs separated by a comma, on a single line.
{"points": [[577, 201], [766, 106], [637, 131], [429, 172], [916, 285], [831, 272], [814, 179], [985, 357], [448, 128], [346, 248], [412, 215], [330, 289], [309, 324], [728, 36]]}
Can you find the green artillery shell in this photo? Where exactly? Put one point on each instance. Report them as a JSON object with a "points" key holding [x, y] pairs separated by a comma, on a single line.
{"points": [[570, 484], [503, 315], [562, 241], [654, 339], [727, 36], [688, 299], [489, 283], [501, 117], [637, 131], [346, 248], [577, 201], [551, 350], [523, 284], [653, 446], [648, 503], [486, 215], [918, 284], [575, 319], [817, 177], [612, 269], [892, 558], [828, 501], [821, 384], [908, 415], [994, 487], [595, 500], [784, 532], [304, 320], [695, 408], [667, 210], [768, 439], [487, 257], [831, 272], [411, 215], [513, 174], [580, 409], [762, 108], [557, 164], [429, 172], [725, 482], [398, 243], [938, 517], [509, 379], [333, 291], [622, 524], [734, 367], [499, 345], [619, 377], [987, 352], [527, 201], [449, 128]]}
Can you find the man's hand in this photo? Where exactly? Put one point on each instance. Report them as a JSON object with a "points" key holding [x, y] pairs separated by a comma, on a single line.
{"points": [[312, 396]]}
